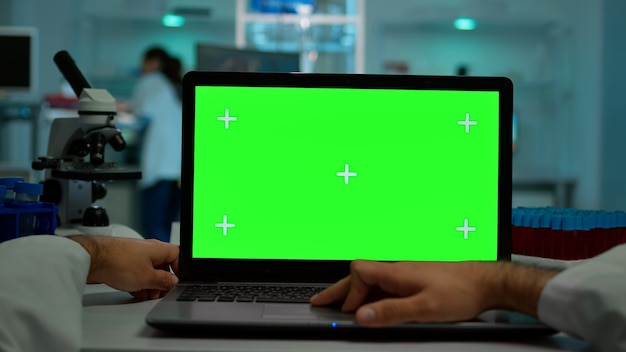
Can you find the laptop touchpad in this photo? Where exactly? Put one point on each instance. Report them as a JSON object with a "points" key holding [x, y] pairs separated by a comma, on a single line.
{"points": [[302, 311]]}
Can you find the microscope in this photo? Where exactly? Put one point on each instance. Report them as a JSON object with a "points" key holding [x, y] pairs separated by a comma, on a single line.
{"points": [[75, 164]]}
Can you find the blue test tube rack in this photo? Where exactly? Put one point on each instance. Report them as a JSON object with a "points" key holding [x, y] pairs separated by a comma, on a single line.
{"points": [[19, 219]]}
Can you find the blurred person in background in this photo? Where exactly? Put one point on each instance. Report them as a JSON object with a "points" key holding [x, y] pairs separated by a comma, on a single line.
{"points": [[157, 100]]}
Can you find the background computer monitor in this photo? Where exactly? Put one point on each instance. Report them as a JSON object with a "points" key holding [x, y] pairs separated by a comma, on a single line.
{"points": [[225, 59], [18, 66]]}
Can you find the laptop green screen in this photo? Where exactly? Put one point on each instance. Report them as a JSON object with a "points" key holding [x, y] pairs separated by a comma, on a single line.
{"points": [[343, 174]]}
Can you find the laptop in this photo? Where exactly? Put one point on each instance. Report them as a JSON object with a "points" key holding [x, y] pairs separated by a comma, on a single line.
{"points": [[287, 178]]}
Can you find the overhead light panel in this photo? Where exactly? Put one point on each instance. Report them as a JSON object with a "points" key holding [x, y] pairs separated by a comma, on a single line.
{"points": [[465, 24], [173, 20]]}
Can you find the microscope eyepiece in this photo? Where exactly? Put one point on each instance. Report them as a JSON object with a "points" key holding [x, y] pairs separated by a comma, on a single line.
{"points": [[70, 71]]}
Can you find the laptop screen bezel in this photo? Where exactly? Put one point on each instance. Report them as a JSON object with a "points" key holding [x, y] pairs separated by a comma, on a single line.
{"points": [[242, 270]]}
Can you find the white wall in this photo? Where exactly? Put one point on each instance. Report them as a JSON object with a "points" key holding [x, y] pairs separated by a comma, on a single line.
{"points": [[112, 59], [583, 144], [552, 51], [587, 54], [5, 13], [417, 13], [116, 53], [523, 53], [612, 141], [106, 38], [113, 44]]}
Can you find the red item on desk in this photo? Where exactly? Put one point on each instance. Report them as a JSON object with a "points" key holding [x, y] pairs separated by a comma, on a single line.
{"points": [[563, 244], [61, 101]]}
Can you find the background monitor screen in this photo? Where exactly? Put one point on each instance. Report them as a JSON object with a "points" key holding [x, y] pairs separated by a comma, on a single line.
{"points": [[224, 59], [18, 74]]}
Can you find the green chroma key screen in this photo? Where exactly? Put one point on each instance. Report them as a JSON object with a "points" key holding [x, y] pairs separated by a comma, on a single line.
{"points": [[343, 174]]}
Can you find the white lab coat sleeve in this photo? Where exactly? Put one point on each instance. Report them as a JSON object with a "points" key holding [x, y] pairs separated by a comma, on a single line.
{"points": [[588, 300], [42, 283]]}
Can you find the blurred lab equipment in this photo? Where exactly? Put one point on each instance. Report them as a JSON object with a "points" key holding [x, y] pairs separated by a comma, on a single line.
{"points": [[76, 165]]}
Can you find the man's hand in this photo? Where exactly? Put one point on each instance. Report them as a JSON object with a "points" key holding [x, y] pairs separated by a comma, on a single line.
{"points": [[385, 294], [141, 267]]}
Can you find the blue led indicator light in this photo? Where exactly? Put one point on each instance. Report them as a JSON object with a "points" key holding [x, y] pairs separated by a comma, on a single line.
{"points": [[333, 324]]}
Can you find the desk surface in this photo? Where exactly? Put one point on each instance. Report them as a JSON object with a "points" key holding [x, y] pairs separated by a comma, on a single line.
{"points": [[112, 322]]}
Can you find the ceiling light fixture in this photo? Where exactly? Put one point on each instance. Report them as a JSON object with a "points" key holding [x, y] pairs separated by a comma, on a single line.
{"points": [[172, 20], [465, 24]]}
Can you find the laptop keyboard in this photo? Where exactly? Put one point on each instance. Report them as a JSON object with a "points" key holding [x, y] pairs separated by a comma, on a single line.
{"points": [[259, 294]]}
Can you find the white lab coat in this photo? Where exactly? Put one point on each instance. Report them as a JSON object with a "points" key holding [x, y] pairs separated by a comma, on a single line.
{"points": [[588, 300], [155, 99], [42, 279]]}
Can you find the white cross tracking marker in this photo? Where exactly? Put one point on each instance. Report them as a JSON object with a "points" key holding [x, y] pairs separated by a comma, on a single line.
{"points": [[227, 118], [466, 229], [346, 174], [467, 123], [224, 225]]}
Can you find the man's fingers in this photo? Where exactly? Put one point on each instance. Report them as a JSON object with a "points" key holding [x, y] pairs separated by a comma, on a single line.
{"points": [[358, 291], [161, 280], [174, 265], [371, 276], [378, 274], [335, 293], [139, 295], [154, 294], [354, 289], [166, 254], [391, 311]]}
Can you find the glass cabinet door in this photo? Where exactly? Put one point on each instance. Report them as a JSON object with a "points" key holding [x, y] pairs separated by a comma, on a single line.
{"points": [[326, 35]]}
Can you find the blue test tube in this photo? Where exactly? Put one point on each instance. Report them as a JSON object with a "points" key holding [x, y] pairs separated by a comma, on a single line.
{"points": [[9, 183], [27, 196], [3, 194]]}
